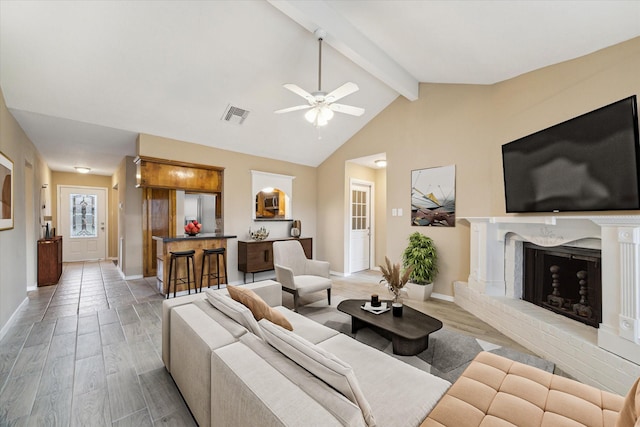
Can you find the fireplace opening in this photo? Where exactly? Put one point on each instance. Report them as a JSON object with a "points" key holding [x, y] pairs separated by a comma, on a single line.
{"points": [[565, 280]]}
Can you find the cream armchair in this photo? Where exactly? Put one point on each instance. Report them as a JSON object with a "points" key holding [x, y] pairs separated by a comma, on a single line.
{"points": [[297, 274]]}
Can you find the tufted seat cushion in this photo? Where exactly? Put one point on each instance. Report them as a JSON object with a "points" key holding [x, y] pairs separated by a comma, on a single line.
{"points": [[495, 391]]}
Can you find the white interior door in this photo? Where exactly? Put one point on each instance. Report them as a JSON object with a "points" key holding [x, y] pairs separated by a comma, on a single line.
{"points": [[82, 213], [360, 235]]}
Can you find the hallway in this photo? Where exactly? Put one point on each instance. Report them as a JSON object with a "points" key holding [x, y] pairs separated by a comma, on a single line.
{"points": [[86, 352]]}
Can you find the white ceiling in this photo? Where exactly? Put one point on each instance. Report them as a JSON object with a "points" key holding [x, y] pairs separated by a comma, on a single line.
{"points": [[84, 78]]}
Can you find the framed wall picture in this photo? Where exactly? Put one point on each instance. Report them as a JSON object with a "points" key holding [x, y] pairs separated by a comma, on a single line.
{"points": [[6, 185], [433, 197]]}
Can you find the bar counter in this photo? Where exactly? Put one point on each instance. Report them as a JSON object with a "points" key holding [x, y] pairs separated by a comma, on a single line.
{"points": [[165, 245]]}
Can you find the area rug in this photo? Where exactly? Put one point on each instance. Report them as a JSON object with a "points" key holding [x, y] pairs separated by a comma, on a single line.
{"points": [[449, 352]]}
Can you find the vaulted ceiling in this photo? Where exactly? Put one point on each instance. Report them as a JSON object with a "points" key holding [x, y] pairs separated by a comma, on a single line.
{"points": [[83, 78]]}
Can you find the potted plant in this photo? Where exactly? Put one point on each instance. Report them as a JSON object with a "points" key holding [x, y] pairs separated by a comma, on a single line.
{"points": [[422, 256], [395, 280]]}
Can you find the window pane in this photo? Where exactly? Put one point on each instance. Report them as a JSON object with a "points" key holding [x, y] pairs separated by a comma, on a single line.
{"points": [[83, 216]]}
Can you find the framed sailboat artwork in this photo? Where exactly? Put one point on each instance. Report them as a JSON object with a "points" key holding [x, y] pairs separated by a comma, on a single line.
{"points": [[433, 197]]}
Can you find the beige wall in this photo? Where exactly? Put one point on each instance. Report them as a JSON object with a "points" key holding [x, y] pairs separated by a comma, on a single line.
{"points": [[86, 180], [15, 251], [128, 206], [238, 201], [465, 125]]}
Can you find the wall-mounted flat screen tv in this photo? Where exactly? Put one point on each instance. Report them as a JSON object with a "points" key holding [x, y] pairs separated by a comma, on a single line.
{"points": [[588, 163]]}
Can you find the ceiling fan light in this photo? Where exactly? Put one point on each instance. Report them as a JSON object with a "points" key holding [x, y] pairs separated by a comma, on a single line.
{"points": [[321, 121], [311, 115], [326, 113]]}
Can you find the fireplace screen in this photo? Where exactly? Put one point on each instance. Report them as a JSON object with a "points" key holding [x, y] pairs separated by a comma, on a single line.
{"points": [[565, 280]]}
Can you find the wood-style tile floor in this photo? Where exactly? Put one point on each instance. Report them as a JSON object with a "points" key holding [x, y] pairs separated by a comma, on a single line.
{"points": [[87, 352]]}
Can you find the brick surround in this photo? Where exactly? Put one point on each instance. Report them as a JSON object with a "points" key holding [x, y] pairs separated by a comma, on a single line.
{"points": [[608, 357]]}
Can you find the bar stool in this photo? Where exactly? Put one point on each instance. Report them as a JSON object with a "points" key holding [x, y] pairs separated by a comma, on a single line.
{"points": [[175, 256], [206, 258]]}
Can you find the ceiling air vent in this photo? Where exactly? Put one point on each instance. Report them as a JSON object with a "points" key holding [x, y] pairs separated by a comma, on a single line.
{"points": [[234, 115]]}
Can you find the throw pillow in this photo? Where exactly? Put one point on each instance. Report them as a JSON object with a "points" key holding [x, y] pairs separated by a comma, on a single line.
{"points": [[320, 363], [630, 413], [234, 310], [259, 308]]}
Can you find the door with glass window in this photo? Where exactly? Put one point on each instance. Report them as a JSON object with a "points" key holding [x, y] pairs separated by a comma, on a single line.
{"points": [[360, 233], [82, 216]]}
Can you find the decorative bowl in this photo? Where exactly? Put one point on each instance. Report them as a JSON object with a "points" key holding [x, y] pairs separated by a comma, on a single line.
{"points": [[260, 234], [192, 234]]}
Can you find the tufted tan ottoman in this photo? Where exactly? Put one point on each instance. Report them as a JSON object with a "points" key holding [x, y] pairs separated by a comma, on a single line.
{"points": [[495, 391]]}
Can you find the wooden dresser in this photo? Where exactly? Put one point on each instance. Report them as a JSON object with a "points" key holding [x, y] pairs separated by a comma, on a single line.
{"points": [[257, 255], [49, 261]]}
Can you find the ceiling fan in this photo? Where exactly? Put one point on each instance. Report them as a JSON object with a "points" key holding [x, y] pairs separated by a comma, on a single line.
{"points": [[321, 104]]}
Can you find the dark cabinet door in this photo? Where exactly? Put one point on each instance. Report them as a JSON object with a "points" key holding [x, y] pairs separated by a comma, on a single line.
{"points": [[49, 261]]}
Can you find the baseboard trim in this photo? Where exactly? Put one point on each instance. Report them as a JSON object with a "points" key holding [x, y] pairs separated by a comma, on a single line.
{"points": [[443, 297], [9, 323]]}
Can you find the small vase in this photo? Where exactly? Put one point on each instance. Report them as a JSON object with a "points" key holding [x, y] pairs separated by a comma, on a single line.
{"points": [[396, 305]]}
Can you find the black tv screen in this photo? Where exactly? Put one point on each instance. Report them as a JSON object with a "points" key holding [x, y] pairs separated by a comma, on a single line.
{"points": [[588, 163]]}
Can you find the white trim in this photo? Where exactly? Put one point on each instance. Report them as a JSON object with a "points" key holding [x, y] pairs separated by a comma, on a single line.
{"points": [[12, 319], [260, 180], [372, 222], [442, 297], [134, 277], [106, 212]]}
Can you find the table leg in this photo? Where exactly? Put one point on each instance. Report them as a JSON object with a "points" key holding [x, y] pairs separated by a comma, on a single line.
{"points": [[357, 324], [404, 347]]}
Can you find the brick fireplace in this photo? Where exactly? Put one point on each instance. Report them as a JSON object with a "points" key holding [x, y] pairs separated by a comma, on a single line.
{"points": [[607, 356]]}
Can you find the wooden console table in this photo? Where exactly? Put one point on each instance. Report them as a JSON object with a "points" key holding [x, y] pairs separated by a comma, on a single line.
{"points": [[49, 261], [255, 256]]}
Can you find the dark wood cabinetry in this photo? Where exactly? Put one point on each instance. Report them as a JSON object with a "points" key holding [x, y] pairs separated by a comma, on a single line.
{"points": [[49, 261], [257, 255]]}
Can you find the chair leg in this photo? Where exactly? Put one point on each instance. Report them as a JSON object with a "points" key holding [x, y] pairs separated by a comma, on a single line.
{"points": [[218, 270], [329, 296], [188, 276], [295, 301], [169, 277], [226, 278], [202, 271]]}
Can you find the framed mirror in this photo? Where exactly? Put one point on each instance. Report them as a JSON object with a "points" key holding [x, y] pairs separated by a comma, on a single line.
{"points": [[272, 196]]}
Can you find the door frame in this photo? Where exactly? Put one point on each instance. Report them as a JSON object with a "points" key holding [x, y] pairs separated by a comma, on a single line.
{"points": [[106, 210], [372, 222]]}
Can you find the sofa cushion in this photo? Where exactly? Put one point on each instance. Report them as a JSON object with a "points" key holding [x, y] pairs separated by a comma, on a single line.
{"points": [[247, 391], [494, 390], [194, 335], [234, 310], [342, 408], [385, 379], [234, 328], [306, 328], [319, 362], [630, 413], [258, 307]]}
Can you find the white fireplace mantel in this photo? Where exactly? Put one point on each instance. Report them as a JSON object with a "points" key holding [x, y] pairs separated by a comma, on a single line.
{"points": [[617, 236]]}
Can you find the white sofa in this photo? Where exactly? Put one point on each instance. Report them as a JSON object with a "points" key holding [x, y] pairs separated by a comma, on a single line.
{"points": [[230, 376]]}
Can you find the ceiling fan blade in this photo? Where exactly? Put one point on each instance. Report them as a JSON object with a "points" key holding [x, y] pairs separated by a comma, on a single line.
{"points": [[347, 109], [296, 108], [342, 91], [301, 92]]}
